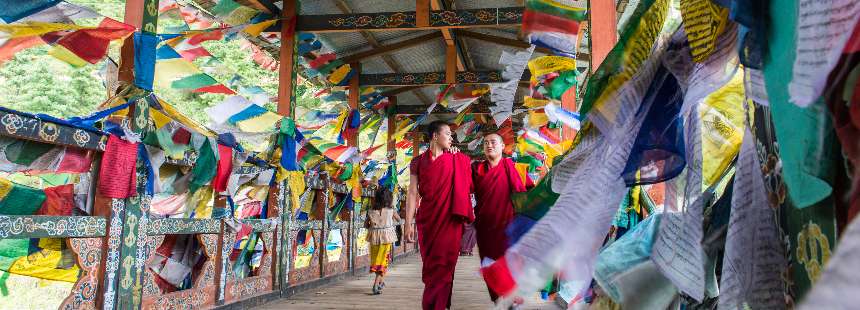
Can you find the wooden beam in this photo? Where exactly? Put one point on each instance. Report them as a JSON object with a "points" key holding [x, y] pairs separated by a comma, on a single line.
{"points": [[352, 100], [422, 13], [386, 49], [450, 40], [344, 7], [286, 73], [433, 78], [480, 107], [601, 25], [390, 144], [256, 4], [439, 19], [450, 63], [393, 92]]}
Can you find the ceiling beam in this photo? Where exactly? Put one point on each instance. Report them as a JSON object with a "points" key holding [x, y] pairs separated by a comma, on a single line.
{"points": [[395, 91], [439, 19], [482, 106], [450, 40], [344, 7], [386, 49], [434, 78]]}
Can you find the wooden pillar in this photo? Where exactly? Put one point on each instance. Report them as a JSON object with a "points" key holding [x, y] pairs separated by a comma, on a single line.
{"points": [[390, 143], [142, 14], [352, 100], [416, 140], [450, 62], [288, 55], [422, 13], [602, 30]]}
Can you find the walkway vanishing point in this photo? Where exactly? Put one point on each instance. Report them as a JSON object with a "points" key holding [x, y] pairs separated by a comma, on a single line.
{"points": [[403, 290]]}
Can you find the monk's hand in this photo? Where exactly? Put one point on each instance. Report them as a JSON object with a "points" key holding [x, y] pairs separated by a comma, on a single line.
{"points": [[453, 150], [409, 232]]}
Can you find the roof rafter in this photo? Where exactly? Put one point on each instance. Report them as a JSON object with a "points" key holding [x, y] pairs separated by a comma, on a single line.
{"points": [[344, 7], [386, 49]]}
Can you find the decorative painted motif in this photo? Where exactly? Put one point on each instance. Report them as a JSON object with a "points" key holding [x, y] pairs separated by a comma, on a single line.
{"points": [[813, 250], [464, 17], [265, 225], [183, 226], [243, 288], [400, 20], [374, 20], [340, 188], [112, 261], [429, 78], [88, 252], [315, 182], [203, 292], [31, 128], [12, 226], [227, 239]]}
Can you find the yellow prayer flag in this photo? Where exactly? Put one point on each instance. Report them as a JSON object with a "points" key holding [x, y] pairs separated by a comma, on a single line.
{"points": [[722, 122], [61, 53], [548, 64], [263, 123], [30, 28], [5, 188], [338, 75], [537, 118], [255, 29], [530, 102], [522, 171]]}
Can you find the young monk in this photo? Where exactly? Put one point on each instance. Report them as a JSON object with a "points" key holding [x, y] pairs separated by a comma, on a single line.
{"points": [[440, 179], [494, 179]]}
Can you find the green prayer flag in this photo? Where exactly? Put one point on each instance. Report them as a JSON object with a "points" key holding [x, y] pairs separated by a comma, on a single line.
{"points": [[803, 133], [22, 200], [537, 201], [24, 152], [194, 81], [204, 168]]}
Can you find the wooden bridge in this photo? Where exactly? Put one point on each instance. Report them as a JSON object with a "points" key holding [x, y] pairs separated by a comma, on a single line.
{"points": [[403, 290]]}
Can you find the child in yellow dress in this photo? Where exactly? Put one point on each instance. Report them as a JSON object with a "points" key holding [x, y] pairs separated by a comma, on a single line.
{"points": [[381, 235]]}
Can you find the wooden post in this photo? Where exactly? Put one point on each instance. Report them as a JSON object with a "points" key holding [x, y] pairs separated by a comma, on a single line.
{"points": [[286, 72], [390, 143], [601, 25], [286, 97], [422, 13], [352, 100], [142, 14], [450, 62]]}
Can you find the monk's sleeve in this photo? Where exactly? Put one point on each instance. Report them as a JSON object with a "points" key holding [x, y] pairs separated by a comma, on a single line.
{"points": [[461, 205]]}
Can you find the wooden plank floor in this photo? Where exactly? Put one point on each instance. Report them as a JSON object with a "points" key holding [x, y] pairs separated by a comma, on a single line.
{"points": [[403, 288]]}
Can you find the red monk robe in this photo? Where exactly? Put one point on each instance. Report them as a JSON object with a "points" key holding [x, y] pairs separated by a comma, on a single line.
{"points": [[494, 210], [444, 185]]}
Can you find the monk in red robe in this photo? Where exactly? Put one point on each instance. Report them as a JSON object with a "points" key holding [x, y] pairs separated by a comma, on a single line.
{"points": [[494, 179], [441, 180]]}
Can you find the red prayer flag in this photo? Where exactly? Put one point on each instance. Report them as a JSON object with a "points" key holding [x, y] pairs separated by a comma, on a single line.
{"points": [[225, 165], [215, 89], [59, 201], [117, 173], [91, 44], [75, 160], [541, 22], [181, 136]]}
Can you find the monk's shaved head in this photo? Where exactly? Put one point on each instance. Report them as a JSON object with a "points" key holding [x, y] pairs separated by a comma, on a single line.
{"points": [[495, 136], [493, 146]]}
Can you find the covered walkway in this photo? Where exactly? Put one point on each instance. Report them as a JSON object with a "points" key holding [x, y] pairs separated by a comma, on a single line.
{"points": [[403, 291]]}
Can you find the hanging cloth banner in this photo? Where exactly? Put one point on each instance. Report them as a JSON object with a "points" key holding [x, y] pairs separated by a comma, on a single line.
{"points": [[502, 94], [823, 28], [117, 172]]}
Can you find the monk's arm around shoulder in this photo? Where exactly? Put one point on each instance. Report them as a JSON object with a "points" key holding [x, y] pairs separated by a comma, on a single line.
{"points": [[411, 204]]}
